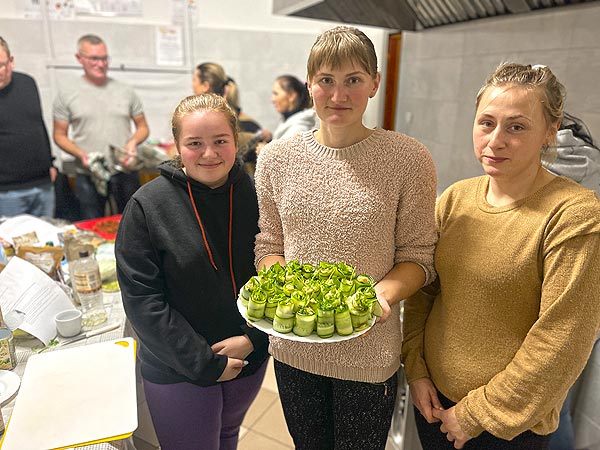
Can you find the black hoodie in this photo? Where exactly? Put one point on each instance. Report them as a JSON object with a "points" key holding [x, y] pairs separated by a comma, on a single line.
{"points": [[178, 303]]}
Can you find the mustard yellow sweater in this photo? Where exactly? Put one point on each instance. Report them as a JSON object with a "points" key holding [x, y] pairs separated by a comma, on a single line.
{"points": [[519, 307]]}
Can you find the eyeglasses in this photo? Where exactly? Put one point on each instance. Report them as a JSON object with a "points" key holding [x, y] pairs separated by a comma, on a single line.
{"points": [[96, 59]]}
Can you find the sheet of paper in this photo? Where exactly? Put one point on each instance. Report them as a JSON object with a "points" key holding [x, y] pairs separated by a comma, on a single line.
{"points": [[169, 46], [109, 8], [25, 288], [24, 223]]}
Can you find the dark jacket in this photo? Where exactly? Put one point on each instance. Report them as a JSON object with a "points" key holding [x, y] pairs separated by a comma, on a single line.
{"points": [[177, 302]]}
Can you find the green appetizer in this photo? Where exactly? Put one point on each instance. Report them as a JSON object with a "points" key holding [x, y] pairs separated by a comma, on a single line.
{"points": [[303, 299]]}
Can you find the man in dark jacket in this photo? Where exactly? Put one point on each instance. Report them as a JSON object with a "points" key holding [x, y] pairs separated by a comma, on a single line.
{"points": [[26, 172]]}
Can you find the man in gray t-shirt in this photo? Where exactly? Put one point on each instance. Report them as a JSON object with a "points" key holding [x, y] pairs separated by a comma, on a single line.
{"points": [[99, 112]]}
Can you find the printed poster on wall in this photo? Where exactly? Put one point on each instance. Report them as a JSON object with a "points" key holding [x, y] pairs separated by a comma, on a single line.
{"points": [[178, 10], [109, 8], [169, 46], [57, 10]]}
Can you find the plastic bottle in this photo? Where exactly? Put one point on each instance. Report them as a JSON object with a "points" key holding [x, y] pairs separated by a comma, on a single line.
{"points": [[87, 284]]}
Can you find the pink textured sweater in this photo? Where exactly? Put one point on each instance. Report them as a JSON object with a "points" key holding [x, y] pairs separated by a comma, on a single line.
{"points": [[370, 205]]}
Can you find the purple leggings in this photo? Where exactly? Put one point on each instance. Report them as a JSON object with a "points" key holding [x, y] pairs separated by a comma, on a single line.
{"points": [[190, 417]]}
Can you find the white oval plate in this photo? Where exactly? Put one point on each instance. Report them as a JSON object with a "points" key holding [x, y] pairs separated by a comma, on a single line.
{"points": [[267, 327], [9, 385]]}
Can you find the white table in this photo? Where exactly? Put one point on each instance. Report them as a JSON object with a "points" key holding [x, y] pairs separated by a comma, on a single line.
{"points": [[27, 347]]}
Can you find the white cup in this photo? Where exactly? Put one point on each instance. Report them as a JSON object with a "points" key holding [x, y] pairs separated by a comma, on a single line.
{"points": [[68, 322]]}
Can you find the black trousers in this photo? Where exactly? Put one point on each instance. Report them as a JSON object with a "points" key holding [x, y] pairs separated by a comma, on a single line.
{"points": [[120, 187], [325, 413], [433, 439]]}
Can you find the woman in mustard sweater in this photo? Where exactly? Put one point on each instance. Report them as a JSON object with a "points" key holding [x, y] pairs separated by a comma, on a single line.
{"points": [[491, 355]]}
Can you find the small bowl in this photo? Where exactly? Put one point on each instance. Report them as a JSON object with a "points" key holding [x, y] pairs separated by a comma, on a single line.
{"points": [[68, 322]]}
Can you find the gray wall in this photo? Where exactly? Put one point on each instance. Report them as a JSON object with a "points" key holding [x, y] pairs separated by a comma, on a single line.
{"points": [[130, 45], [443, 68], [254, 59]]}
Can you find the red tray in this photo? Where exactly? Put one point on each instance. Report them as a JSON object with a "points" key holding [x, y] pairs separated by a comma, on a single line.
{"points": [[100, 225]]}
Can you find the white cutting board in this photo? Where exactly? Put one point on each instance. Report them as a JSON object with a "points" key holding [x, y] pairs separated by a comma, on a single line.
{"points": [[69, 397]]}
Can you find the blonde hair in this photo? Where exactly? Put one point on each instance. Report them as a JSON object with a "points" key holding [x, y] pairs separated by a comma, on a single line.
{"points": [[539, 78], [339, 45], [203, 102], [214, 75], [232, 95]]}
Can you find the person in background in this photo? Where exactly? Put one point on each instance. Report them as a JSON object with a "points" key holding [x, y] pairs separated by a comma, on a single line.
{"points": [[346, 193], [99, 111], [184, 249], [491, 350], [578, 158], [209, 78], [26, 172], [292, 100]]}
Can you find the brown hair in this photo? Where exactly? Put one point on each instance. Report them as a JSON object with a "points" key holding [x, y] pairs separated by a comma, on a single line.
{"points": [[290, 84], [538, 78], [203, 102], [339, 45]]}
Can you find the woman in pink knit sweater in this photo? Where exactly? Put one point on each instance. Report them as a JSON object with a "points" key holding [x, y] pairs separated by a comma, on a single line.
{"points": [[346, 193]]}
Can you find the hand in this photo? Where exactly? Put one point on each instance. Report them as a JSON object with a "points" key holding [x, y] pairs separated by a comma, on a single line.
{"points": [[130, 160], [53, 173], [85, 162], [385, 307], [234, 347], [259, 147], [385, 313], [424, 397], [131, 148], [232, 369], [451, 427], [265, 135]]}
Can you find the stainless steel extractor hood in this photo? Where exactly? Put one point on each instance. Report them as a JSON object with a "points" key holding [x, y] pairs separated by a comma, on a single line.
{"points": [[411, 14]]}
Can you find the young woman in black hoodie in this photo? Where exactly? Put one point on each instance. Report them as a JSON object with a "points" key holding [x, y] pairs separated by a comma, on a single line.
{"points": [[185, 247]]}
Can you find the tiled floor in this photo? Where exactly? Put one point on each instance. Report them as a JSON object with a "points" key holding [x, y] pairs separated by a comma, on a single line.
{"points": [[263, 428]]}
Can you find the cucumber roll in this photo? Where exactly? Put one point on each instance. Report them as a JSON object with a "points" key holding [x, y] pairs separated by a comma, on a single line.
{"points": [[305, 322]]}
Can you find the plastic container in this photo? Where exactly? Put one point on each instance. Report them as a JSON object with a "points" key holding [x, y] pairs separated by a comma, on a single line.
{"points": [[8, 356], [87, 283]]}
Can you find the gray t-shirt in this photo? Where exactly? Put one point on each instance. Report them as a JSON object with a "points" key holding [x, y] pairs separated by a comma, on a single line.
{"points": [[97, 115]]}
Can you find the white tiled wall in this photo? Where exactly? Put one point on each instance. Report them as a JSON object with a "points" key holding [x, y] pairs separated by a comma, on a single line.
{"points": [[442, 69]]}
